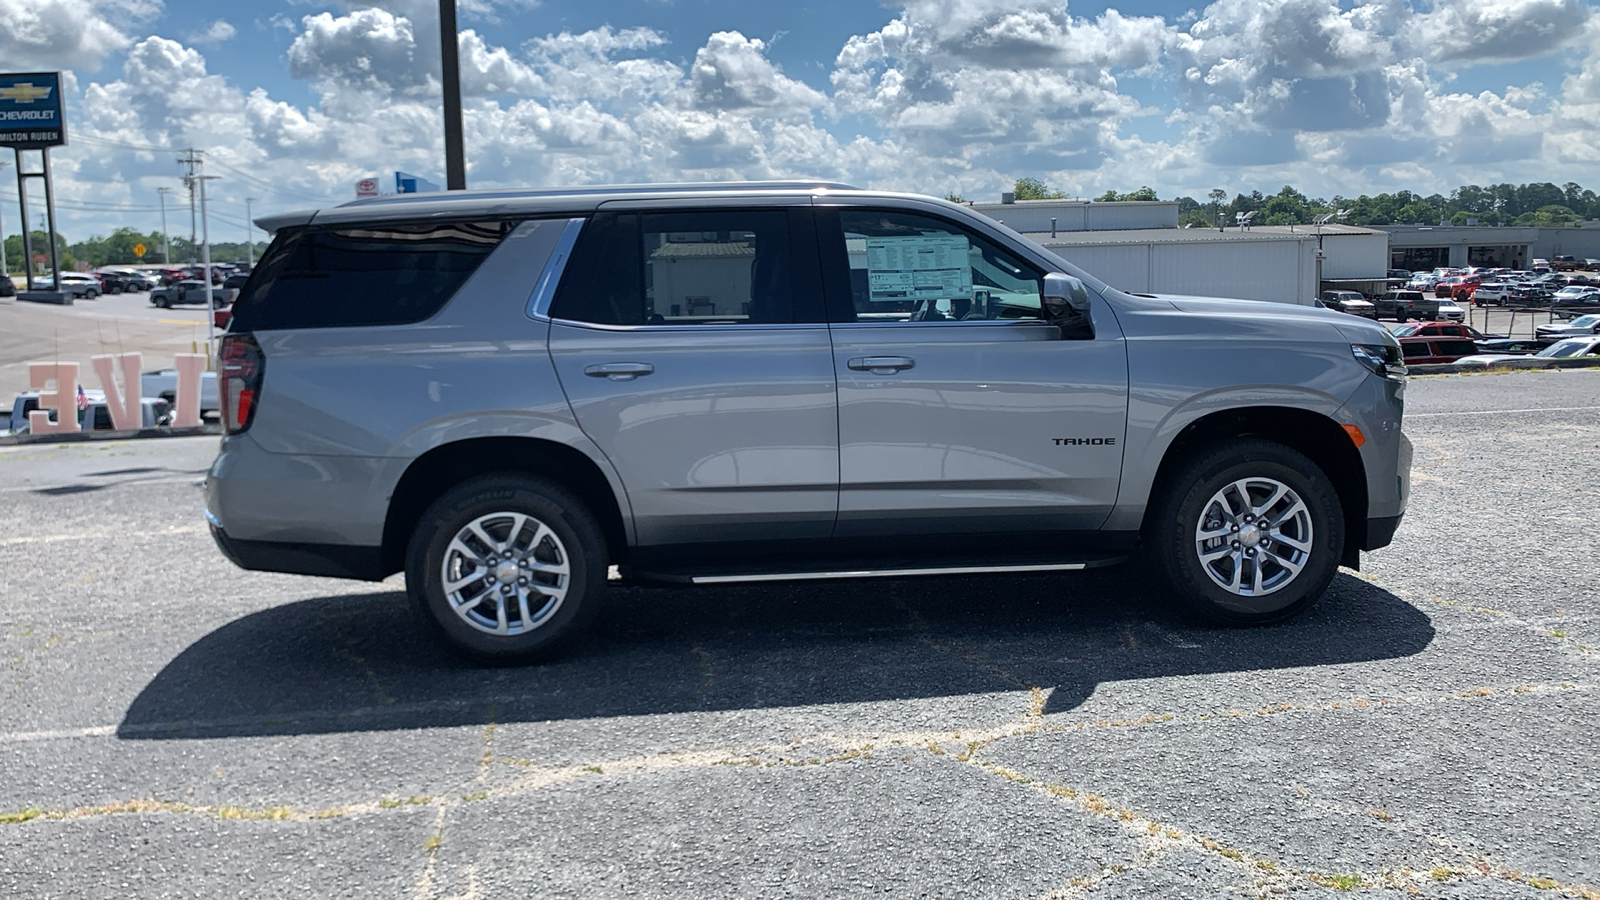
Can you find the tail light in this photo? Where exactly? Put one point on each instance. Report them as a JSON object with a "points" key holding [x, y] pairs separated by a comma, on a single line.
{"points": [[242, 366]]}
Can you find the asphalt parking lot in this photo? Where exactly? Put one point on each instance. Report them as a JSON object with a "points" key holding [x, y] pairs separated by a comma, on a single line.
{"points": [[112, 323], [172, 726]]}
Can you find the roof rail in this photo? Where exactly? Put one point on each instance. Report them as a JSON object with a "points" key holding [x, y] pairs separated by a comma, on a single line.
{"points": [[693, 187]]}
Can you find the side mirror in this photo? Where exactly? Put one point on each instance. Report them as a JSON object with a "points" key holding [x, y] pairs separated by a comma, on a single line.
{"points": [[1066, 304]]}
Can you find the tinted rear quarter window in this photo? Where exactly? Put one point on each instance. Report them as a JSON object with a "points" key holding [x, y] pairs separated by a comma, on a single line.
{"points": [[380, 274]]}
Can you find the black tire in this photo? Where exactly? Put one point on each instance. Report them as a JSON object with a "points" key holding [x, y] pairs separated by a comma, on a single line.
{"points": [[91, 294], [162, 302], [577, 538], [1175, 544]]}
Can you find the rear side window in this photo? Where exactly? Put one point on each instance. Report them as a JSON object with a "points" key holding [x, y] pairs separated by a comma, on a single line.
{"points": [[382, 274]]}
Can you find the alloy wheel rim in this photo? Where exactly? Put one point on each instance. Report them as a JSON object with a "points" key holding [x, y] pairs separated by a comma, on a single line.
{"points": [[1254, 537], [505, 573]]}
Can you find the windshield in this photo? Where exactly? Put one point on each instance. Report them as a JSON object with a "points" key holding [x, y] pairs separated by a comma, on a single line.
{"points": [[1404, 330], [1566, 349], [1585, 321]]}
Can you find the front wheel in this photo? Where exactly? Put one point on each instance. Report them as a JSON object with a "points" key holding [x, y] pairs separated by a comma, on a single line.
{"points": [[1248, 532], [506, 569]]}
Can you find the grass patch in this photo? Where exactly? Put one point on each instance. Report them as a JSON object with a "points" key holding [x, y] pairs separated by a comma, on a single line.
{"points": [[475, 796], [1339, 882], [388, 803], [432, 842], [1440, 873], [1379, 813], [14, 818], [594, 770]]}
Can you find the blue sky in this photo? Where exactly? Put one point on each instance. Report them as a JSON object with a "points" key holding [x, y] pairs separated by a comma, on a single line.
{"points": [[295, 100]]}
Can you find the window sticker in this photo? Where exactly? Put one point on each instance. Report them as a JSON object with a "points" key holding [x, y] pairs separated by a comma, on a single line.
{"points": [[924, 267]]}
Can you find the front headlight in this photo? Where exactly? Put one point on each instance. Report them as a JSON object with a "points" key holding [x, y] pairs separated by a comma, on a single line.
{"points": [[1384, 360]]}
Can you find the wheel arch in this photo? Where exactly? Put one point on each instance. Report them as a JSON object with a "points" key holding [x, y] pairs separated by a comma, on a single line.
{"points": [[1313, 434], [433, 473]]}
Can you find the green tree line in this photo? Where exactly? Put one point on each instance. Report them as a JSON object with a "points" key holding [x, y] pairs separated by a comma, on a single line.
{"points": [[1541, 204], [117, 248]]}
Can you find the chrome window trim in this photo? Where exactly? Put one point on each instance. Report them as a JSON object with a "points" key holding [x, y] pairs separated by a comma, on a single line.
{"points": [[679, 329], [987, 323], [545, 289]]}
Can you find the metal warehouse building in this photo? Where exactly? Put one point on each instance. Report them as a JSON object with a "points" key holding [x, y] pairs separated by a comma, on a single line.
{"points": [[1138, 246], [1252, 265], [1422, 247]]}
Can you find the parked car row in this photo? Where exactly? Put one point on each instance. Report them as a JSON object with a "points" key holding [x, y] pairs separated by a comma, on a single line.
{"points": [[187, 291], [1448, 342], [93, 413]]}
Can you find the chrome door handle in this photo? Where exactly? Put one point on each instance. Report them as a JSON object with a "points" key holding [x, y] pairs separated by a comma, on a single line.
{"points": [[881, 365], [618, 371]]}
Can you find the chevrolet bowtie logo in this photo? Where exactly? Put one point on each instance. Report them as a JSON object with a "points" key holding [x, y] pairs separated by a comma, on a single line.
{"points": [[24, 92]]}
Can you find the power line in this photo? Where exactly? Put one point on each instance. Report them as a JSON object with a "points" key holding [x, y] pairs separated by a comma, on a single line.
{"points": [[88, 205], [265, 185]]}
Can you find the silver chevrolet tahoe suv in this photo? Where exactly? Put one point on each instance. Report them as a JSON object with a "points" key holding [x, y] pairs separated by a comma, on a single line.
{"points": [[517, 397]]}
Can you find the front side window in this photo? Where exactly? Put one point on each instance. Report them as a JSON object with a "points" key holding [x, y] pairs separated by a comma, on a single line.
{"points": [[905, 267], [717, 267]]}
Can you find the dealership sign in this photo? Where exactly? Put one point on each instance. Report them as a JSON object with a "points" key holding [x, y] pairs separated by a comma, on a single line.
{"points": [[366, 187], [30, 111]]}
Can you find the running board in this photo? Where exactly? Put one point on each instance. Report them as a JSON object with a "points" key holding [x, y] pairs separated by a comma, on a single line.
{"points": [[835, 574]]}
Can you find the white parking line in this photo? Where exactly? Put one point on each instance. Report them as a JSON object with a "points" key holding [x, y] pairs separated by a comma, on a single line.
{"points": [[98, 535], [22, 737]]}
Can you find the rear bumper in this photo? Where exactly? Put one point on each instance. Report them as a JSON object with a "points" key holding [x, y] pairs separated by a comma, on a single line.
{"points": [[328, 560]]}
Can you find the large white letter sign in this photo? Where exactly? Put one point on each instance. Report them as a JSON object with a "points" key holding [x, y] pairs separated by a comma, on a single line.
{"points": [[189, 366], [63, 399], [124, 404]]}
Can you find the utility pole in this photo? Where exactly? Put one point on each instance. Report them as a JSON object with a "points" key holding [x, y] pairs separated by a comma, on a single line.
{"points": [[205, 251], [249, 242], [166, 254], [191, 164], [455, 163]]}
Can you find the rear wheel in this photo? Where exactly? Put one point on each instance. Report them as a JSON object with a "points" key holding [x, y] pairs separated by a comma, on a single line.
{"points": [[1248, 532], [506, 569]]}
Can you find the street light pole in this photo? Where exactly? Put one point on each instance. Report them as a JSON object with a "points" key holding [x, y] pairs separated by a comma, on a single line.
{"points": [[249, 241], [455, 163], [166, 256]]}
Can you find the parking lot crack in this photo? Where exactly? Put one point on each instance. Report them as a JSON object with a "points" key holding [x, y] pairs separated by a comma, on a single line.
{"points": [[1269, 875]]}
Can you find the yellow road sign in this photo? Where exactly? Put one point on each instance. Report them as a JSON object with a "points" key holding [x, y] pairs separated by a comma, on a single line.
{"points": [[139, 250]]}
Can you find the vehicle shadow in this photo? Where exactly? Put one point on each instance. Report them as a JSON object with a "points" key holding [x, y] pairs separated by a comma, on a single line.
{"points": [[359, 663]]}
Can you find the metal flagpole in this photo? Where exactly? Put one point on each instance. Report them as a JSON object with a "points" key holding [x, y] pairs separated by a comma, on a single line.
{"points": [[249, 239]]}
